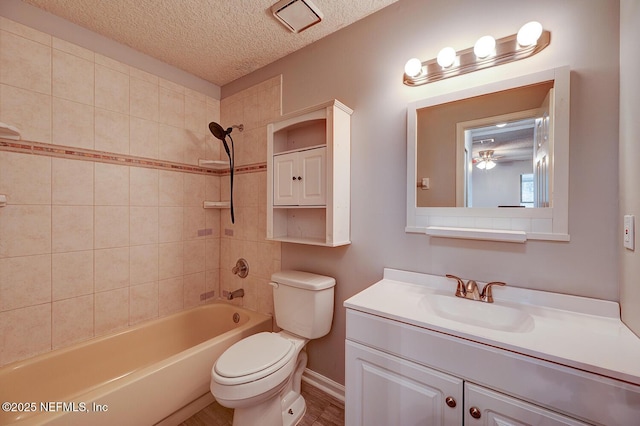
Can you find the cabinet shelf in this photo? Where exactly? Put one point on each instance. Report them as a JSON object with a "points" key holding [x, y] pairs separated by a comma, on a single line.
{"points": [[308, 175], [299, 207]]}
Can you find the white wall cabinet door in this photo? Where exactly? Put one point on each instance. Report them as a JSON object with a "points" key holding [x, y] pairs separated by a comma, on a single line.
{"points": [[385, 390], [484, 407], [285, 188], [299, 178], [312, 186]]}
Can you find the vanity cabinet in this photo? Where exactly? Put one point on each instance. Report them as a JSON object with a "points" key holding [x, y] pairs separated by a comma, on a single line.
{"points": [[528, 358], [386, 390], [383, 389], [308, 176], [485, 407]]}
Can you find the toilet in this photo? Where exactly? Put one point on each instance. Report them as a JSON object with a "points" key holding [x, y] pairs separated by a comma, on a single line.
{"points": [[260, 375]]}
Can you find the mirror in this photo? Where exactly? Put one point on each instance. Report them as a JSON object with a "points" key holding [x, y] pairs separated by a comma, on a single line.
{"points": [[464, 134], [491, 158]]}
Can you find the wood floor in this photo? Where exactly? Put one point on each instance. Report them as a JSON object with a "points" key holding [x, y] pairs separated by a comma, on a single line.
{"points": [[322, 410]]}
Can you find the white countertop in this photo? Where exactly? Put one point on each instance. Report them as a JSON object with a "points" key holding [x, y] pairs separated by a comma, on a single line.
{"points": [[574, 331]]}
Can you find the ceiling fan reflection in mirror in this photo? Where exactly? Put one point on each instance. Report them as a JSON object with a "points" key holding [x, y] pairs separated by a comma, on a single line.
{"points": [[486, 160]]}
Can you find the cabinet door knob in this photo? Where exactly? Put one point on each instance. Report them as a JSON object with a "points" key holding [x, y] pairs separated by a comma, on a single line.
{"points": [[451, 401], [299, 177], [475, 412], [294, 178]]}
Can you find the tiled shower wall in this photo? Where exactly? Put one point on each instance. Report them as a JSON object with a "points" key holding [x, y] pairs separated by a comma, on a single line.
{"points": [[104, 226], [254, 107]]}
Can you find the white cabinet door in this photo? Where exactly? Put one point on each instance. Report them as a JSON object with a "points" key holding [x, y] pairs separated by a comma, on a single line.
{"points": [[284, 187], [311, 179], [383, 390], [484, 407], [299, 178]]}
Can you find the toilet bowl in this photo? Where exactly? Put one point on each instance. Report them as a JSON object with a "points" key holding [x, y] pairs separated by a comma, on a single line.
{"points": [[259, 376]]}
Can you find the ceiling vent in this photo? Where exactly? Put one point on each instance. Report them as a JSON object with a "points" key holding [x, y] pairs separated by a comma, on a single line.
{"points": [[297, 15]]}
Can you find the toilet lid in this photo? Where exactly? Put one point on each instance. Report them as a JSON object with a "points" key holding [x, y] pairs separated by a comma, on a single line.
{"points": [[253, 354]]}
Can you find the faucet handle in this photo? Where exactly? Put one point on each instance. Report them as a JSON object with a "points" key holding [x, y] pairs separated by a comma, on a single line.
{"points": [[487, 295], [461, 291]]}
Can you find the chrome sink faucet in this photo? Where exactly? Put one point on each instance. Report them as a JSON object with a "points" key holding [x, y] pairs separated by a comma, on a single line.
{"points": [[470, 290]]}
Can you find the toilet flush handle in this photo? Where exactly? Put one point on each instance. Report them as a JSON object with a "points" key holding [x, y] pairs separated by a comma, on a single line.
{"points": [[274, 285]]}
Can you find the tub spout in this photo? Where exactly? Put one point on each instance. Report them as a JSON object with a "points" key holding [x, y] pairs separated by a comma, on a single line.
{"points": [[236, 293]]}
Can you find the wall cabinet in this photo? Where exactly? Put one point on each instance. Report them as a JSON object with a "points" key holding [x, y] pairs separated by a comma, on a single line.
{"points": [[308, 176], [385, 389]]}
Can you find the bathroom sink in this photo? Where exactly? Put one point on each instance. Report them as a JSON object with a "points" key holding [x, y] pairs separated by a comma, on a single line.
{"points": [[480, 314]]}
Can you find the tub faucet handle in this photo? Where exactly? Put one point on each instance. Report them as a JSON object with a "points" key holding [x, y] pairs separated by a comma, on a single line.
{"points": [[242, 268], [487, 294]]}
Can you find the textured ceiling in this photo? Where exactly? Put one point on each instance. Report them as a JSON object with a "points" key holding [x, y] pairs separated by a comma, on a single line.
{"points": [[217, 40]]}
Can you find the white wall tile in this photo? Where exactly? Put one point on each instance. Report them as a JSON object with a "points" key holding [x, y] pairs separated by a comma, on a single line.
{"points": [[72, 228], [25, 178], [26, 63], [72, 274], [111, 185], [72, 182], [73, 77], [25, 230], [25, 281]]}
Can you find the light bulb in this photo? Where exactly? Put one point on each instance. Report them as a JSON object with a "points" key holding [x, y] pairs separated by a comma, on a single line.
{"points": [[446, 57], [529, 33], [490, 164], [413, 67], [484, 47], [481, 165]]}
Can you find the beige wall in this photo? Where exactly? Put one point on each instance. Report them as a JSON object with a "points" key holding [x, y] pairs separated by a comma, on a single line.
{"points": [[105, 226], [362, 66], [629, 158]]}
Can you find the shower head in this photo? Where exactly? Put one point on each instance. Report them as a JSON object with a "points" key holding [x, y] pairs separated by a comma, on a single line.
{"points": [[220, 133]]}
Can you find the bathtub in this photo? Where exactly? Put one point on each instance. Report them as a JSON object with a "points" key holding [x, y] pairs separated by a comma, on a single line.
{"points": [[150, 373]]}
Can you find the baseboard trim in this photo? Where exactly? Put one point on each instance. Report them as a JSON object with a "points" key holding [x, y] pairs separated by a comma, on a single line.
{"points": [[323, 383]]}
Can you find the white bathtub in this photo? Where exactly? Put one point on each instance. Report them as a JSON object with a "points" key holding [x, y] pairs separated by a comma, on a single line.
{"points": [[140, 376]]}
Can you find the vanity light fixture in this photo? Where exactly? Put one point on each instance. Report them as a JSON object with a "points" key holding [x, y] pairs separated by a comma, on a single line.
{"points": [[484, 47], [487, 52], [446, 57]]}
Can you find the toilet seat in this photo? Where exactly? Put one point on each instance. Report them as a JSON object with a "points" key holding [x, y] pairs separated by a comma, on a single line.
{"points": [[253, 358]]}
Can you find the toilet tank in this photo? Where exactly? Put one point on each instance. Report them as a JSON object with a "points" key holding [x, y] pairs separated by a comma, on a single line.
{"points": [[303, 302]]}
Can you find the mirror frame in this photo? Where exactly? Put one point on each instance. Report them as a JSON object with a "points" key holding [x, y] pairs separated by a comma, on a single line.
{"points": [[496, 224]]}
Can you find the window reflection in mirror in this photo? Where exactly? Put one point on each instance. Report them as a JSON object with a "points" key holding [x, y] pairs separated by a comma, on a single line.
{"points": [[476, 151]]}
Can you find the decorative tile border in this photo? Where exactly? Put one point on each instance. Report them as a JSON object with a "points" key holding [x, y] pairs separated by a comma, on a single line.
{"points": [[38, 148]]}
